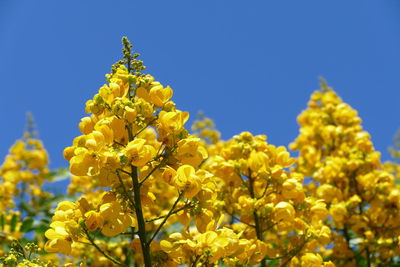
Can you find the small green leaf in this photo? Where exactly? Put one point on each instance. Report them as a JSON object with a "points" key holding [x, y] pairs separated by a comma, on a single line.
{"points": [[2, 221], [59, 175], [27, 224], [14, 220], [41, 229], [25, 207], [273, 263]]}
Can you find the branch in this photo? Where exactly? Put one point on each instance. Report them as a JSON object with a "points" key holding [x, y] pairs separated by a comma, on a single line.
{"points": [[144, 128], [162, 162], [122, 170], [152, 171], [188, 205], [130, 233], [100, 250], [195, 261], [166, 217], [140, 218], [239, 220], [259, 231], [294, 252], [126, 191], [265, 192]]}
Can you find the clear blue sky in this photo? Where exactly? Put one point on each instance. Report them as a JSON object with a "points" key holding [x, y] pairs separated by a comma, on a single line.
{"points": [[250, 65]]}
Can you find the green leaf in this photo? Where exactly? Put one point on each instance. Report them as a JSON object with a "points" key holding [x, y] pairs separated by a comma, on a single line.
{"points": [[27, 225], [25, 207], [273, 263], [2, 221], [59, 175], [41, 229], [14, 220]]}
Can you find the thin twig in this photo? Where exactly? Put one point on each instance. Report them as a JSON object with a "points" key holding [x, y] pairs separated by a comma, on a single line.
{"points": [[265, 191], [293, 253], [130, 233], [162, 162], [174, 212], [152, 171], [118, 143], [195, 261], [126, 191], [145, 127], [239, 220], [100, 250], [166, 217], [122, 170]]}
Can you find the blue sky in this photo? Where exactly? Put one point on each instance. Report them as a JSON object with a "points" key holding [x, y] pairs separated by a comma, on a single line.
{"points": [[249, 65]]}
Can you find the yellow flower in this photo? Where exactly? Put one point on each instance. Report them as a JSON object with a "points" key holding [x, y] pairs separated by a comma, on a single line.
{"points": [[168, 174], [292, 189], [84, 163], [86, 125], [283, 157], [319, 211], [173, 121], [311, 260], [187, 180], [93, 220], [258, 161], [58, 246], [204, 221], [159, 95], [57, 231], [115, 221], [139, 153], [328, 193], [103, 126], [130, 114], [59, 239], [190, 151], [119, 132], [338, 212], [284, 211]]}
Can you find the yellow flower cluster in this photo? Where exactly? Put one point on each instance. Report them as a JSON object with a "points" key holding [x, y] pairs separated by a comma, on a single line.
{"points": [[23, 172], [137, 159], [205, 129], [22, 175], [265, 203], [177, 198], [141, 175], [107, 216], [348, 176], [146, 192]]}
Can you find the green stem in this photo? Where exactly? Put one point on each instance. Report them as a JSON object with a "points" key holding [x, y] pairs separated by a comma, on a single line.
{"points": [[360, 212], [368, 257], [145, 127], [259, 231], [151, 172], [140, 218], [162, 162], [100, 250], [293, 253], [138, 208], [195, 261], [166, 217], [127, 194], [188, 205]]}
